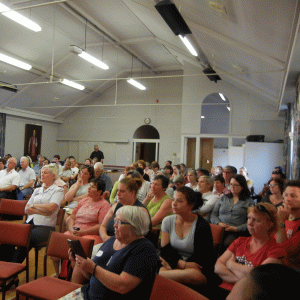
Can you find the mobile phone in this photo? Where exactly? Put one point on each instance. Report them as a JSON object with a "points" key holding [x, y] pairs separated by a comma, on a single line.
{"points": [[76, 247]]}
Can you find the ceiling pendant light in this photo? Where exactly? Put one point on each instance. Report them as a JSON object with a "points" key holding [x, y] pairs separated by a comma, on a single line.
{"points": [[133, 81], [15, 16], [188, 44], [136, 84], [73, 84], [14, 62]]}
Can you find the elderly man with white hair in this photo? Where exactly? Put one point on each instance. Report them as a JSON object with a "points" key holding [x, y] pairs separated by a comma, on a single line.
{"points": [[9, 179], [99, 173], [27, 177]]}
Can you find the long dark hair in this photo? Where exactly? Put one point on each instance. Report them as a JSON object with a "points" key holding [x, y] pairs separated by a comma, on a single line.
{"points": [[245, 192], [192, 197]]}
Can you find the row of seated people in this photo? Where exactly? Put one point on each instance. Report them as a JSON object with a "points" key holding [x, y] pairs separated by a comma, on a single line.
{"points": [[127, 191]]}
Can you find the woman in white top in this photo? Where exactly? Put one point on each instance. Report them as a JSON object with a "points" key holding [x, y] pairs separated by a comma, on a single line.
{"points": [[192, 178], [41, 209]]}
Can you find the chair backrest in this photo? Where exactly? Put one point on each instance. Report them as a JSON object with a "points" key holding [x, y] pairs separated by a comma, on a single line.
{"points": [[153, 236], [165, 288], [60, 220], [58, 245], [217, 233], [15, 234], [12, 207]]}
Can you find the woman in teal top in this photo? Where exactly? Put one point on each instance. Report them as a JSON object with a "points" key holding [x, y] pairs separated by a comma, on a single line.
{"points": [[158, 203]]}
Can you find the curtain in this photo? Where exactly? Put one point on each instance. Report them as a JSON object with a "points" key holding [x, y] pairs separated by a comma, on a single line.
{"points": [[2, 133]]}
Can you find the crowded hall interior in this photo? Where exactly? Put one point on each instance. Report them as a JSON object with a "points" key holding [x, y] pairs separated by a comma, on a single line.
{"points": [[149, 148]]}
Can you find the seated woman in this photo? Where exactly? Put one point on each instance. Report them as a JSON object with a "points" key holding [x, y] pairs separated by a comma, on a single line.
{"points": [[158, 203], [186, 242], [126, 265], [127, 190], [146, 185], [41, 209], [245, 253], [276, 186], [231, 210], [66, 172], [192, 180], [176, 170], [79, 189], [88, 215]]}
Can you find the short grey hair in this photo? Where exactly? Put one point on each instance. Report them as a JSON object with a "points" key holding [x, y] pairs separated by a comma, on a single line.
{"points": [[208, 181], [138, 218], [179, 178], [53, 169], [99, 165], [134, 174], [25, 157]]}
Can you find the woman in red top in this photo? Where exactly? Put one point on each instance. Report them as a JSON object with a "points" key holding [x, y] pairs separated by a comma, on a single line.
{"points": [[245, 253]]}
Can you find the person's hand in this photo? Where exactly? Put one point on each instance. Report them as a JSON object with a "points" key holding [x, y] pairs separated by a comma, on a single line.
{"points": [[284, 212], [165, 264], [149, 196], [231, 228], [78, 233], [71, 255], [85, 264], [223, 224], [193, 265]]}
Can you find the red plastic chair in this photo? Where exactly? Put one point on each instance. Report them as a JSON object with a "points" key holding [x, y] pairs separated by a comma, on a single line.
{"points": [[12, 207], [217, 234], [50, 288], [17, 235], [165, 288]]}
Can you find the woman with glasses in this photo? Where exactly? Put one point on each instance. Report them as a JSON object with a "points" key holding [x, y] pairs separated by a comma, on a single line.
{"points": [[276, 186], [231, 210], [245, 253], [125, 265]]}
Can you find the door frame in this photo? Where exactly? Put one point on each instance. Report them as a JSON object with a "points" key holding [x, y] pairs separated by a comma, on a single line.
{"points": [[148, 141]]}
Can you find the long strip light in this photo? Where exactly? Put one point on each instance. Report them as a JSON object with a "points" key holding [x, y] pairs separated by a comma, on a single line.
{"points": [[88, 57], [136, 84], [15, 16], [73, 84], [188, 44], [14, 62]]}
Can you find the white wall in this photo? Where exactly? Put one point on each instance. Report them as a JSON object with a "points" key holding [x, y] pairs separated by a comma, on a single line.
{"points": [[249, 113], [112, 126], [260, 161], [15, 136], [220, 157]]}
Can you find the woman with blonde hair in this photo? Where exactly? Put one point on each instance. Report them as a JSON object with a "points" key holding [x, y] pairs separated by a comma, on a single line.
{"points": [[245, 253]]}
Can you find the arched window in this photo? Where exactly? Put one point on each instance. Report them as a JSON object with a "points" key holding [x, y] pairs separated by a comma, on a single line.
{"points": [[215, 114]]}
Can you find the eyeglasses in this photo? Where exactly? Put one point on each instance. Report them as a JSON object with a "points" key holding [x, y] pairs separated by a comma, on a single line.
{"points": [[272, 185], [261, 208], [119, 222]]}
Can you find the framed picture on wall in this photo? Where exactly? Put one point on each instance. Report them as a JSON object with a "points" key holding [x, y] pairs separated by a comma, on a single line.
{"points": [[33, 140]]}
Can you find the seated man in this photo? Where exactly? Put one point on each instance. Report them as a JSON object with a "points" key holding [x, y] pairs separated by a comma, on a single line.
{"points": [[99, 173], [9, 179], [66, 172], [288, 234], [74, 170], [27, 177]]}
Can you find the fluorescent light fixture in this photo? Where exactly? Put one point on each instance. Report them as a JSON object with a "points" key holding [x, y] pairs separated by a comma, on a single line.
{"points": [[14, 62], [88, 57], [136, 84], [228, 107], [222, 97], [202, 117], [188, 44], [73, 84], [15, 16]]}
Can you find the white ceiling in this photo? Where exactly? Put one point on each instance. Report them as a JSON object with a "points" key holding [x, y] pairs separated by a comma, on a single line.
{"points": [[253, 45]]}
